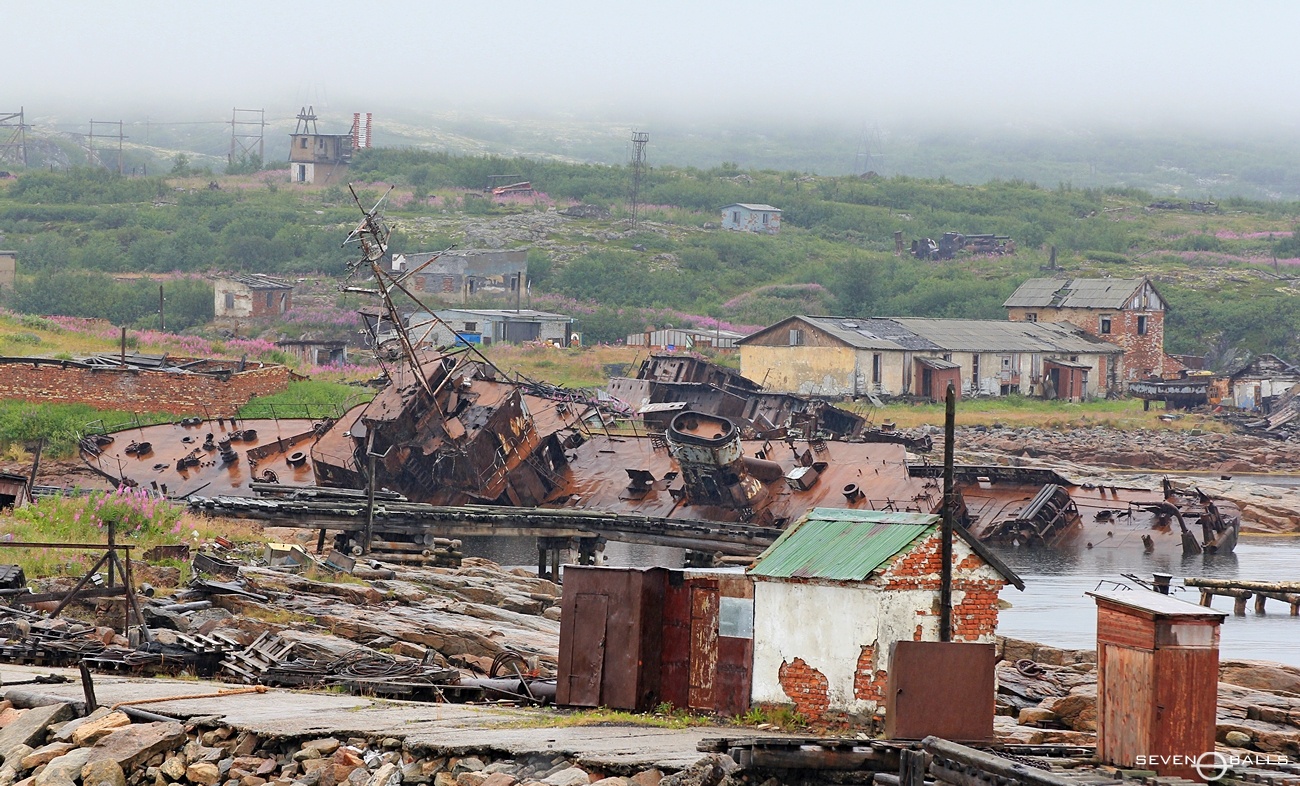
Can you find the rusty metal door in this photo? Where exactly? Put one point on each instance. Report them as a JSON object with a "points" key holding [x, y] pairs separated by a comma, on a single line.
{"points": [[587, 655], [940, 688], [704, 646]]}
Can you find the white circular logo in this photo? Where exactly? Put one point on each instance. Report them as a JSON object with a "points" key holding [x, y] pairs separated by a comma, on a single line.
{"points": [[1212, 765]]}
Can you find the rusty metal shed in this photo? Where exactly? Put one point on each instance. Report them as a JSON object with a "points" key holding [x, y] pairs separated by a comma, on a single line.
{"points": [[635, 638], [1157, 683]]}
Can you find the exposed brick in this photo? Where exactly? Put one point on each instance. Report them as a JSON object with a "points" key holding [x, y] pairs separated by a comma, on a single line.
{"points": [[140, 390], [806, 687]]}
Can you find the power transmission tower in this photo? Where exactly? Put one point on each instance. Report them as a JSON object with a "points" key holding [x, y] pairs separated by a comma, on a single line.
{"points": [[869, 146], [13, 138], [243, 137], [306, 121], [639, 141], [92, 157]]}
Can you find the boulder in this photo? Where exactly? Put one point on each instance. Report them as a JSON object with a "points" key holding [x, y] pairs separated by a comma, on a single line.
{"points": [[499, 779], [173, 768], [65, 769], [570, 776], [45, 754], [93, 730], [1260, 675], [204, 773], [1030, 716], [29, 728], [104, 772], [133, 745]]}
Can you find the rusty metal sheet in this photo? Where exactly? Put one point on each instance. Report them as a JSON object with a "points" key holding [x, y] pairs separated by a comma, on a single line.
{"points": [[940, 688], [586, 651], [675, 652], [735, 675], [704, 645]]}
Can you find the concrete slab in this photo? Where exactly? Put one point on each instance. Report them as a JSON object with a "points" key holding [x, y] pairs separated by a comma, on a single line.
{"points": [[445, 728]]}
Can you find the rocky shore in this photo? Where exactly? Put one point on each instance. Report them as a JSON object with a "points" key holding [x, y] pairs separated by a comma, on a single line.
{"points": [[1049, 695]]}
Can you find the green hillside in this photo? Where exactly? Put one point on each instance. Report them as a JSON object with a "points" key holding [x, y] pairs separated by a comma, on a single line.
{"points": [[1227, 272]]}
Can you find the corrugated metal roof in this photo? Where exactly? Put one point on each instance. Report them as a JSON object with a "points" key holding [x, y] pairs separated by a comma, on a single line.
{"points": [[258, 281], [988, 335], [841, 544], [1074, 293], [1156, 603], [767, 208]]}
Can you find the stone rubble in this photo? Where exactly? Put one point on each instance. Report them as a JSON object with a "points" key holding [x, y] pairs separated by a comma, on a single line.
{"points": [[193, 754], [1104, 455], [1049, 696]]}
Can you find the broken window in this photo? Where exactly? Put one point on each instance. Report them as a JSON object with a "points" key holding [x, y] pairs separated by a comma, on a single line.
{"points": [[230, 300], [796, 337], [1142, 326], [302, 143], [1031, 317], [270, 300], [735, 216], [1105, 325], [975, 368], [471, 327], [765, 218], [877, 361]]}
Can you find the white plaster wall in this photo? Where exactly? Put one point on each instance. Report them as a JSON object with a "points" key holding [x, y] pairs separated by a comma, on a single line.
{"points": [[827, 626]]}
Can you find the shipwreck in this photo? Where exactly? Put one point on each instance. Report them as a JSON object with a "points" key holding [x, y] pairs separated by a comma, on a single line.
{"points": [[686, 454]]}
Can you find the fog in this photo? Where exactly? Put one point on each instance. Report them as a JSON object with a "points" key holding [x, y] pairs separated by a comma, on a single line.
{"points": [[1006, 64]]}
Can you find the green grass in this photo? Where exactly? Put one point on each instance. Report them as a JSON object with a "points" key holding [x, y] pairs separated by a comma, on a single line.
{"points": [[62, 425], [140, 519], [1021, 411], [307, 399], [603, 716]]}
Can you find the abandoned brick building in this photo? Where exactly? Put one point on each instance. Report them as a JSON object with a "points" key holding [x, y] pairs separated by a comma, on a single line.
{"points": [[838, 588], [1127, 312], [245, 295]]}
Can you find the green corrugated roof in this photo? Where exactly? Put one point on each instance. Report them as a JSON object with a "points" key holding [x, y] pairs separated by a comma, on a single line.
{"points": [[841, 544]]}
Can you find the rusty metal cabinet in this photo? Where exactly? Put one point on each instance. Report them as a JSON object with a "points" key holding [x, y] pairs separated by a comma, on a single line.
{"points": [[1157, 681]]}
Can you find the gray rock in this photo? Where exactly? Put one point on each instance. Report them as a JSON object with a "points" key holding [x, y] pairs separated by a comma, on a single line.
{"points": [[30, 727], [173, 768], [105, 772], [132, 745], [386, 775], [1237, 739], [203, 772], [570, 776], [468, 764], [65, 769]]}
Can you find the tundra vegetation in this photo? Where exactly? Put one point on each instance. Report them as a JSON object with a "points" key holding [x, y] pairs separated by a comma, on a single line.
{"points": [[97, 245]]}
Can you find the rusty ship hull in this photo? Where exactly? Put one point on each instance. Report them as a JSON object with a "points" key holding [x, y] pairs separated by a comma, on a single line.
{"points": [[464, 435]]}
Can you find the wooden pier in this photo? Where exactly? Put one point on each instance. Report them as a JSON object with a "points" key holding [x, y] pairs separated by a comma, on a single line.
{"points": [[1241, 591]]}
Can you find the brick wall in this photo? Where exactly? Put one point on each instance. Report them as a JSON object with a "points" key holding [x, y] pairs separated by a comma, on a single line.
{"points": [[975, 586], [134, 390], [806, 687]]}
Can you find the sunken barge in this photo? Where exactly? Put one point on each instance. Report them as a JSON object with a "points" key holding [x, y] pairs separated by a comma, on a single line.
{"points": [[452, 448]]}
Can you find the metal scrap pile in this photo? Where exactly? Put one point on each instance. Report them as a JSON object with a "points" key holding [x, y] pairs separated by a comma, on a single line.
{"points": [[261, 616]]}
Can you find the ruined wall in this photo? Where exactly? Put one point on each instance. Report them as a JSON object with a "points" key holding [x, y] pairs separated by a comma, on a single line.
{"points": [[824, 646], [1144, 354], [139, 391], [805, 370]]}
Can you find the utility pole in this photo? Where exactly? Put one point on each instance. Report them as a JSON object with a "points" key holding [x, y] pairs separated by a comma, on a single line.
{"points": [[949, 513], [162, 323]]}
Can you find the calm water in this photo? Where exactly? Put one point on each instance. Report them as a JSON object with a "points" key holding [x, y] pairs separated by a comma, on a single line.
{"points": [[1053, 609]]}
